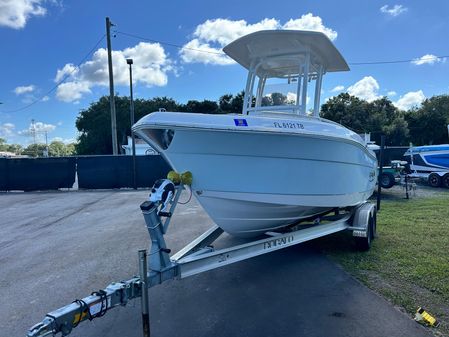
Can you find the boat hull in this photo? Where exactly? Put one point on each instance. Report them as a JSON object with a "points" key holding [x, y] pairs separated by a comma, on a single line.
{"points": [[250, 183], [430, 158], [251, 176]]}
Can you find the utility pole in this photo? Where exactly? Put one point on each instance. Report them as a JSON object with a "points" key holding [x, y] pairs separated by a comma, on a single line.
{"points": [[46, 143], [111, 88], [33, 131], [131, 114]]}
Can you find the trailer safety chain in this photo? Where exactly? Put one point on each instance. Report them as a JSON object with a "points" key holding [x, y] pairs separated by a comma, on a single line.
{"points": [[83, 308], [104, 303]]}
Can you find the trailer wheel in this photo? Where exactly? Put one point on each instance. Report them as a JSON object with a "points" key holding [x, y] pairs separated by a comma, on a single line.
{"points": [[434, 180], [364, 244], [445, 180], [387, 180]]}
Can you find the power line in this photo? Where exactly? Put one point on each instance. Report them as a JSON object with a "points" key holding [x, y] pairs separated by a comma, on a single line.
{"points": [[197, 50], [169, 44], [60, 81], [221, 53], [400, 61]]}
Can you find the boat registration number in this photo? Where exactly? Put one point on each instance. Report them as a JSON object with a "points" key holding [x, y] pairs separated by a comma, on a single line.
{"points": [[288, 125]]}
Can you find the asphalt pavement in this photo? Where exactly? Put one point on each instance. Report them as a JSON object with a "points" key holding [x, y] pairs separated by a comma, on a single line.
{"points": [[59, 246]]}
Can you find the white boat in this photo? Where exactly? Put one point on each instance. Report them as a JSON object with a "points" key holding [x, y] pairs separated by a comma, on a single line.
{"points": [[272, 165], [429, 158]]}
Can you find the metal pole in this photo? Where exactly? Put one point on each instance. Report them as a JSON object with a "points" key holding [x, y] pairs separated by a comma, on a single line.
{"points": [[381, 154], [33, 131], [111, 89], [143, 270], [131, 113], [305, 80], [406, 186], [46, 142], [319, 79]]}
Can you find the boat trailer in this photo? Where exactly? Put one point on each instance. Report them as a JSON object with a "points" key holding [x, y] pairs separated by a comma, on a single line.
{"points": [[197, 257]]}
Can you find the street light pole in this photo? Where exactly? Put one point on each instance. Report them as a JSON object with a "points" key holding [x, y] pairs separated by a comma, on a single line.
{"points": [[131, 113]]}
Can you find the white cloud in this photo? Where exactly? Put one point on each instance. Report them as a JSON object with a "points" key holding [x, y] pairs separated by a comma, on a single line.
{"points": [[64, 140], [367, 88], [72, 91], [38, 128], [393, 11], [310, 22], [338, 88], [67, 70], [428, 59], [195, 51], [15, 13], [7, 130], [410, 99], [224, 31], [42, 127], [45, 99], [150, 68], [24, 89], [212, 35]]}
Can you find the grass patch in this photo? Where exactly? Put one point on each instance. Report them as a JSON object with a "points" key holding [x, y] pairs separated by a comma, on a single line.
{"points": [[409, 260]]}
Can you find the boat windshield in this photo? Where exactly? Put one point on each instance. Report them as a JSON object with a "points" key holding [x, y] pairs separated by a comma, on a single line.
{"points": [[280, 92], [279, 84]]}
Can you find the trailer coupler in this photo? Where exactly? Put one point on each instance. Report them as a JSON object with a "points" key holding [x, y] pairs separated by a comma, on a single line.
{"points": [[64, 319]]}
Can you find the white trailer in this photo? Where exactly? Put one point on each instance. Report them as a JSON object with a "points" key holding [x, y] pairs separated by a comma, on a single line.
{"points": [[197, 257]]}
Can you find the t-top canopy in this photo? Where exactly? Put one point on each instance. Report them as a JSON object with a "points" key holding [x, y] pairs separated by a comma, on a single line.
{"points": [[281, 49]]}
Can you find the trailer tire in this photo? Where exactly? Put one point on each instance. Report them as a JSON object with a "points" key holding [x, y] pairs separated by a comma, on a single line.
{"points": [[434, 180], [364, 244], [445, 180], [386, 180]]}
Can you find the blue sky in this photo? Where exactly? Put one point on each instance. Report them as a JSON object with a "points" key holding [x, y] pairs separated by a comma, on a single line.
{"points": [[43, 41]]}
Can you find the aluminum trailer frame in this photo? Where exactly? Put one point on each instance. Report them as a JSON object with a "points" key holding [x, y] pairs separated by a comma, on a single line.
{"points": [[197, 257]]}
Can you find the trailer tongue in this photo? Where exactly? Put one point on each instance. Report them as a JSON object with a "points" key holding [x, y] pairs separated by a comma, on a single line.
{"points": [[197, 257]]}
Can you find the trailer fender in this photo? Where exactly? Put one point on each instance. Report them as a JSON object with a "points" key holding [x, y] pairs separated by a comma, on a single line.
{"points": [[364, 224], [361, 219]]}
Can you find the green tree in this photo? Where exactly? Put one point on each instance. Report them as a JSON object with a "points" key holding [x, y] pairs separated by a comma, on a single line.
{"points": [[347, 110], [204, 107], [230, 104], [225, 103], [59, 149], [94, 123], [428, 123], [35, 150], [14, 148], [377, 117]]}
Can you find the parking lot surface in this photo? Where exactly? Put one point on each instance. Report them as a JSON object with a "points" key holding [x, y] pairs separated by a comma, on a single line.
{"points": [[56, 247]]}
